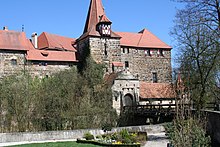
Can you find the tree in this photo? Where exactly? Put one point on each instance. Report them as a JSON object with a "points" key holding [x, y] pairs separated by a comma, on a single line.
{"points": [[197, 33], [16, 102]]}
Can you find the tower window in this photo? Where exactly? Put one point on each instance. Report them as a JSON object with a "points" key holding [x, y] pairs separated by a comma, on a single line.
{"points": [[128, 50], [154, 77], [123, 50], [147, 52], [14, 62], [126, 64], [160, 52]]}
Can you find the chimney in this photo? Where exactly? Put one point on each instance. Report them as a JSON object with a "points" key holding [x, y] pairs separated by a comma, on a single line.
{"points": [[34, 39], [5, 28]]}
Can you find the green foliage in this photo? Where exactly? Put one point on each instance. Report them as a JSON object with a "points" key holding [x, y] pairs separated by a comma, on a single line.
{"points": [[126, 137], [187, 133], [88, 136], [64, 100], [107, 127]]}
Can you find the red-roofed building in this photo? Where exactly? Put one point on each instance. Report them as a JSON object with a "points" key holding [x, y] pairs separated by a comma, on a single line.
{"points": [[140, 62], [13, 50], [53, 53], [135, 57]]}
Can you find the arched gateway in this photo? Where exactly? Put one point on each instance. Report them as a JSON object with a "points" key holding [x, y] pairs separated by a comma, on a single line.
{"points": [[128, 100], [125, 91]]}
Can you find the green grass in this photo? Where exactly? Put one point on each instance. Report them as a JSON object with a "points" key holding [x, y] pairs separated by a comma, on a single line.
{"points": [[56, 144]]}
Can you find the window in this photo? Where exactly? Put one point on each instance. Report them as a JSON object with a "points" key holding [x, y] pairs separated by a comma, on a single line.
{"points": [[42, 64], [160, 52], [154, 77], [126, 64], [147, 52], [14, 62], [123, 50]]}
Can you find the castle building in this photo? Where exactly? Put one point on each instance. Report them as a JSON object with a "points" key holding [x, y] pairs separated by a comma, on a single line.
{"points": [[139, 64], [141, 61]]}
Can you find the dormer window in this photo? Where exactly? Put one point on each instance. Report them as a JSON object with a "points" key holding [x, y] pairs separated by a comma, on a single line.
{"points": [[104, 26]]}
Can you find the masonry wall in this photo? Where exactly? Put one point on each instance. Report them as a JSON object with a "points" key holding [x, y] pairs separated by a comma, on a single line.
{"points": [[42, 69], [102, 50], [73, 134], [143, 66], [122, 87], [7, 66]]}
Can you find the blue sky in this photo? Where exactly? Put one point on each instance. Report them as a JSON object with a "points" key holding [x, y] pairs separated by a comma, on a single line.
{"points": [[67, 17]]}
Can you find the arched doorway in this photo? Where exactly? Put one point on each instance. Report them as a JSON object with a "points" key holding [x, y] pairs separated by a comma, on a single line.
{"points": [[128, 100]]}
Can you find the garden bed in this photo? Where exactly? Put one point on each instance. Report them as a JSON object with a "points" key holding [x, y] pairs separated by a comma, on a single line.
{"points": [[106, 144], [116, 139]]}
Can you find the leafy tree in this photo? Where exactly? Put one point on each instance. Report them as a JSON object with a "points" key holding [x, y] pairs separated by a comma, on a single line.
{"points": [[16, 102], [197, 34]]}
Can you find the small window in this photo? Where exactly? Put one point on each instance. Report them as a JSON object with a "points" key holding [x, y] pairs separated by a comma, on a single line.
{"points": [[128, 50], [106, 53], [42, 64], [147, 52], [123, 50], [126, 64], [154, 77], [160, 52], [14, 62]]}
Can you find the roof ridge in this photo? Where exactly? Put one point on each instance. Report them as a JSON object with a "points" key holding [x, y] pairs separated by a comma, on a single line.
{"points": [[140, 37], [45, 35]]}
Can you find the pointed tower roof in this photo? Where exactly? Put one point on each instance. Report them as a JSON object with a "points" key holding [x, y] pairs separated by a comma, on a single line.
{"points": [[96, 14], [96, 10]]}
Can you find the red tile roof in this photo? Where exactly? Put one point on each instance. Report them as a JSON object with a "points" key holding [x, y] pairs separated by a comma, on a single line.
{"points": [[95, 15], [11, 40], [144, 39], [52, 41], [156, 90], [44, 55], [118, 64], [104, 18]]}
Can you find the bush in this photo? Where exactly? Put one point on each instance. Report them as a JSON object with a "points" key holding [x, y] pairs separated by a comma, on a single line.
{"points": [[88, 136], [107, 127], [187, 133]]}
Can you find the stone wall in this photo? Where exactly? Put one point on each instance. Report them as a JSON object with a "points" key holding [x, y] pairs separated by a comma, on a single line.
{"points": [[42, 69], [11, 62], [15, 62], [102, 50], [213, 127], [143, 65], [74, 134], [121, 88]]}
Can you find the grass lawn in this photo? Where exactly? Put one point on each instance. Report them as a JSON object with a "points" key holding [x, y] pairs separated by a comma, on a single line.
{"points": [[56, 144]]}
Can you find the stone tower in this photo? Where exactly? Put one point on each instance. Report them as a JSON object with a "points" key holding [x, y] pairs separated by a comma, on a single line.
{"points": [[98, 40], [140, 61]]}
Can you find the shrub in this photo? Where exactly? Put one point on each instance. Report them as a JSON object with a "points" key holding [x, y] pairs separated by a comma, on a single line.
{"points": [[106, 127], [88, 136], [188, 132]]}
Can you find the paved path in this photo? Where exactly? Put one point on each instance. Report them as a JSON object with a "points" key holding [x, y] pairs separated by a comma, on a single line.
{"points": [[157, 140]]}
